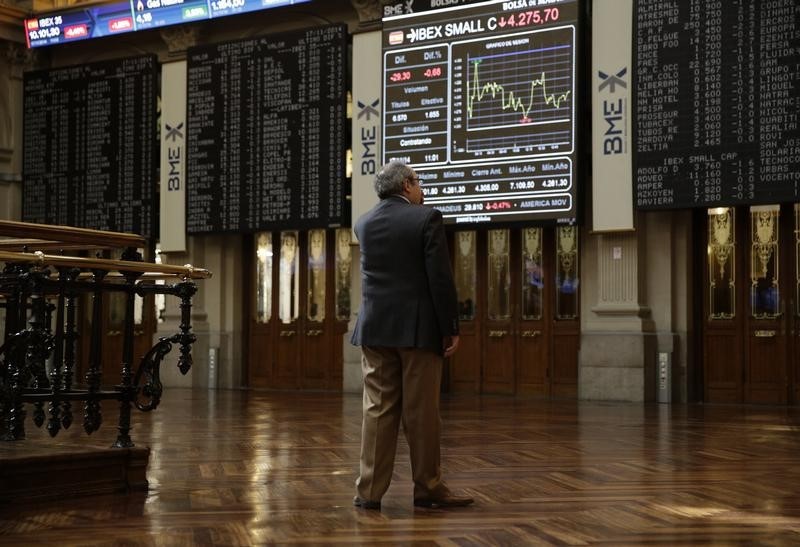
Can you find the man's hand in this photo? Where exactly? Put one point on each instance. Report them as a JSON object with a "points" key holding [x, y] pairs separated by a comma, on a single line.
{"points": [[450, 345]]}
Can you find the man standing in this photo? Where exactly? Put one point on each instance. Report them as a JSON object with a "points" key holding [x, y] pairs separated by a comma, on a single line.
{"points": [[407, 322]]}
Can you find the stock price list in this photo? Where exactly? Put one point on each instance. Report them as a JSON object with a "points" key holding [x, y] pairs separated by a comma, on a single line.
{"points": [[481, 101], [90, 146], [716, 101], [417, 100], [266, 132]]}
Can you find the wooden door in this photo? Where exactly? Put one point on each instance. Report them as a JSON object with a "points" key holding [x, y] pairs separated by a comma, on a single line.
{"points": [[723, 306], [262, 310], [518, 306], [499, 342], [299, 309], [566, 329], [766, 378], [316, 332], [533, 372], [464, 368], [289, 345], [749, 303]]}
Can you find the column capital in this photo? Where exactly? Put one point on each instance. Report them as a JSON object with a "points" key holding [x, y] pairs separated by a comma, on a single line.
{"points": [[20, 59], [179, 38], [12, 16], [369, 12]]}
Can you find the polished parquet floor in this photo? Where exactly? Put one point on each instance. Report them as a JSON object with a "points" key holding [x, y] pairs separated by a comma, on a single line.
{"points": [[243, 468]]}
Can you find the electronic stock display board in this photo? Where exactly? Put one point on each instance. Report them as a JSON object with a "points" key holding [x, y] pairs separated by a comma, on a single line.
{"points": [[90, 146], [266, 139], [481, 100], [716, 103], [100, 20]]}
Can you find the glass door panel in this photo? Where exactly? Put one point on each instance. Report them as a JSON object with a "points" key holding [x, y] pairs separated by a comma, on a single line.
{"points": [[343, 267], [289, 280], [721, 261], [465, 274], [566, 272], [532, 273], [264, 259], [499, 271], [465, 367], [316, 275], [764, 264]]}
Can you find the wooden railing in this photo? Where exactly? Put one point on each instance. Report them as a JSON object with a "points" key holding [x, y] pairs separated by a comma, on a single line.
{"points": [[60, 235], [39, 292]]}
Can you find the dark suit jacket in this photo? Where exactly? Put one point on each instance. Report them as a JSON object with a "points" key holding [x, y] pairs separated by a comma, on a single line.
{"points": [[408, 297]]}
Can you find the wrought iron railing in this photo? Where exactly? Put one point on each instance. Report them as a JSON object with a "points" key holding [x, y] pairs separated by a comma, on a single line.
{"points": [[39, 293]]}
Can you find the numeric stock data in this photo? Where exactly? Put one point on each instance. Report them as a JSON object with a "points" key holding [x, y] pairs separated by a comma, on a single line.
{"points": [[716, 101], [90, 146], [480, 100], [266, 136]]}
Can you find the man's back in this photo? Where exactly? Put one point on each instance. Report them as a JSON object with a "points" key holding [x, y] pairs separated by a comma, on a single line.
{"points": [[408, 295]]}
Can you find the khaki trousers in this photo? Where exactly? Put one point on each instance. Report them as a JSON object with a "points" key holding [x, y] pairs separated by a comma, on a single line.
{"points": [[400, 385]]}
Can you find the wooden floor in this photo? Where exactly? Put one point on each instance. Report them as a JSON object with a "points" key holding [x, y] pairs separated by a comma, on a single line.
{"points": [[240, 468]]}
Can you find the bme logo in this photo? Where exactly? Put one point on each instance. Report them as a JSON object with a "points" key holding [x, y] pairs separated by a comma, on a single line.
{"points": [[613, 80], [369, 135], [407, 6], [174, 156], [614, 111]]}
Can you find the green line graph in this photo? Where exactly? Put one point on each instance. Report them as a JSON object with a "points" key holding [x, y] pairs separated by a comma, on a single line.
{"points": [[476, 92]]}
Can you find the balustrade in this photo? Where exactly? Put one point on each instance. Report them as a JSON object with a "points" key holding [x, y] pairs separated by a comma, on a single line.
{"points": [[39, 293]]}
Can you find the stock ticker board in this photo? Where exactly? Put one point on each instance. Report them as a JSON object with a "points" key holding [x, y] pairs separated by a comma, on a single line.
{"points": [[110, 19], [716, 101], [266, 140], [481, 101], [90, 146]]}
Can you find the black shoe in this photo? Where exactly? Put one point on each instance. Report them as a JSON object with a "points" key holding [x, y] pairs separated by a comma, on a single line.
{"points": [[448, 500], [364, 504]]}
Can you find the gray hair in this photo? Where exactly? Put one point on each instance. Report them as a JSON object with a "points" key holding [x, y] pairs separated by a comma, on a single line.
{"points": [[389, 180]]}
